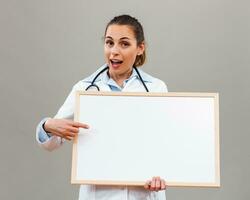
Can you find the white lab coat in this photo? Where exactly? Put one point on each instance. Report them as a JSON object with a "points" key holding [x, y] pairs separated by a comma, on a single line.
{"points": [[92, 192]]}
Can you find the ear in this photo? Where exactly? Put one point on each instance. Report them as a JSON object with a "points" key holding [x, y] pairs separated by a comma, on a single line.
{"points": [[140, 48]]}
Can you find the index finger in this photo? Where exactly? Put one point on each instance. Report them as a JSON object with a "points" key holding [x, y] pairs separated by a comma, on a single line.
{"points": [[80, 125]]}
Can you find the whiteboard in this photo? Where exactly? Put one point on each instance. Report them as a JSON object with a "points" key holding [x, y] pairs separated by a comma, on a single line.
{"points": [[135, 136]]}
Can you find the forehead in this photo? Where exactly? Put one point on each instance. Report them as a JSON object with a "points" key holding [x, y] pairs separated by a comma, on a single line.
{"points": [[120, 31]]}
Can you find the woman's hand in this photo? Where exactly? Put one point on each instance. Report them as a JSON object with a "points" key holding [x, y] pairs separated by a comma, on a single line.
{"points": [[155, 184], [64, 128]]}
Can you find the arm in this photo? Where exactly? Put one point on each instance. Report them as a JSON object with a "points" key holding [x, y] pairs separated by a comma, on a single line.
{"points": [[51, 133]]}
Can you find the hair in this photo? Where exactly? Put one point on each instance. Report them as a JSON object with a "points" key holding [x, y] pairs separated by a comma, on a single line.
{"points": [[138, 31]]}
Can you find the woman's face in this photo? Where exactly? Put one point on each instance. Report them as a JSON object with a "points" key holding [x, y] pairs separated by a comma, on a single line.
{"points": [[121, 49]]}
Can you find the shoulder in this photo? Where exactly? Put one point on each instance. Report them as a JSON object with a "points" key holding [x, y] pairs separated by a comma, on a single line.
{"points": [[156, 84], [90, 78], [84, 83]]}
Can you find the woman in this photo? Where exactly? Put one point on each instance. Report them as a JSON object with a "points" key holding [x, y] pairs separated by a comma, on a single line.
{"points": [[124, 49]]}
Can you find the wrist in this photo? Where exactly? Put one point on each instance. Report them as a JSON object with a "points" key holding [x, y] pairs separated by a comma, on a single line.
{"points": [[45, 128]]}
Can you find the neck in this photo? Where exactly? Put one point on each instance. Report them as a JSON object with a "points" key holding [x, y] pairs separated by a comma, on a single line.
{"points": [[120, 78]]}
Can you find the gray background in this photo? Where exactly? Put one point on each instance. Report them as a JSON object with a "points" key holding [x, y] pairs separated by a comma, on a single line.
{"points": [[46, 46]]}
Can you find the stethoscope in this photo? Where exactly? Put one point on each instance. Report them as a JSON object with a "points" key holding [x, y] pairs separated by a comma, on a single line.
{"points": [[106, 68]]}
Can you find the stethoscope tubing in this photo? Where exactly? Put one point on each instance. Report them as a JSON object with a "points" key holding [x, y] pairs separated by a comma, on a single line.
{"points": [[93, 81], [106, 68]]}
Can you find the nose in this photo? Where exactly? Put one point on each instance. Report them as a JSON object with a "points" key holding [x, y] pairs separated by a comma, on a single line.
{"points": [[115, 50]]}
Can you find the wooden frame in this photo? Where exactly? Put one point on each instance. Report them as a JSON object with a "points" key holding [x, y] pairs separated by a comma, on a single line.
{"points": [[216, 159]]}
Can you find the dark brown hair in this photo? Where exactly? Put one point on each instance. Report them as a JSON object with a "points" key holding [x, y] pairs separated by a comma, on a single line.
{"points": [[137, 29]]}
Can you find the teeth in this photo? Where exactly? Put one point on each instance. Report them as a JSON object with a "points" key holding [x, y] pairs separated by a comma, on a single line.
{"points": [[116, 61]]}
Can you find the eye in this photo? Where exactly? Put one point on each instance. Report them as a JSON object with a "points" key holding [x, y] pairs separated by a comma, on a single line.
{"points": [[125, 44], [109, 43]]}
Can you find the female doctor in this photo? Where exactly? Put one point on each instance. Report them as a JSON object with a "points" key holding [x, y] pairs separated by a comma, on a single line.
{"points": [[124, 49]]}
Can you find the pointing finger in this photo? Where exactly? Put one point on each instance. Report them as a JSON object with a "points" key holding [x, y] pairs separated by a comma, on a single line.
{"points": [[80, 125]]}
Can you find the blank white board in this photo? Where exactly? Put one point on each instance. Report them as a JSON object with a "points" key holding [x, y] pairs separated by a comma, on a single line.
{"points": [[135, 136]]}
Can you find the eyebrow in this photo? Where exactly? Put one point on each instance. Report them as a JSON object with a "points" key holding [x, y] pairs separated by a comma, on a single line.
{"points": [[109, 37]]}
